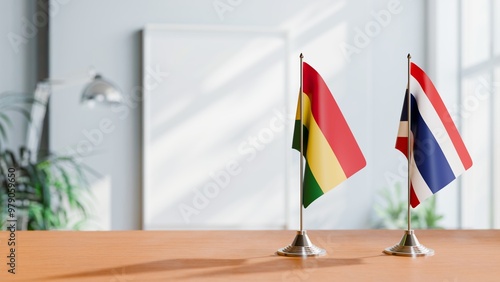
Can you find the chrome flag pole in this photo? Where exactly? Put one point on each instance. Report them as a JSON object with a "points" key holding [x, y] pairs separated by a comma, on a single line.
{"points": [[301, 245], [409, 245]]}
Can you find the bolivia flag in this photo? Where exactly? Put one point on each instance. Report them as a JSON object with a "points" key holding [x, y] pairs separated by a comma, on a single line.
{"points": [[331, 152]]}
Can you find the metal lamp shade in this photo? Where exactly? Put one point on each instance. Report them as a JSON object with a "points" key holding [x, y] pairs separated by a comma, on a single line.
{"points": [[102, 91]]}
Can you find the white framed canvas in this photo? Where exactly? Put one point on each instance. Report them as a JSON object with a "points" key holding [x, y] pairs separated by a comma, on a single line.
{"points": [[216, 127]]}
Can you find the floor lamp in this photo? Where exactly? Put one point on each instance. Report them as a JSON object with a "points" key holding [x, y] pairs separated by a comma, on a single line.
{"points": [[97, 90]]}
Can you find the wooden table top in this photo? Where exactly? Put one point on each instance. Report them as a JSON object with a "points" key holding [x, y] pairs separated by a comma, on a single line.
{"points": [[353, 255]]}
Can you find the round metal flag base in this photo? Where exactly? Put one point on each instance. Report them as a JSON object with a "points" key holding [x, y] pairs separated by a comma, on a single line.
{"points": [[301, 247], [409, 247]]}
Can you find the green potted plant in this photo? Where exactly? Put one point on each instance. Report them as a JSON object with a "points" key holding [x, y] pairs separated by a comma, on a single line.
{"points": [[391, 210], [50, 192]]}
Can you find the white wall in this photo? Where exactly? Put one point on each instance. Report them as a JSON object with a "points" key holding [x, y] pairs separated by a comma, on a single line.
{"points": [[18, 57], [369, 86]]}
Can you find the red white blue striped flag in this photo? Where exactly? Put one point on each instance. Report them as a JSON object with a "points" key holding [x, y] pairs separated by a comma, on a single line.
{"points": [[439, 154]]}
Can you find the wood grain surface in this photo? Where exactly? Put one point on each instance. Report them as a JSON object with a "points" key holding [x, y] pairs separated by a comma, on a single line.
{"points": [[353, 255]]}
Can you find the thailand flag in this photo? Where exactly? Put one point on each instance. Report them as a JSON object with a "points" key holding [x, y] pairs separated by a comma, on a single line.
{"points": [[439, 154]]}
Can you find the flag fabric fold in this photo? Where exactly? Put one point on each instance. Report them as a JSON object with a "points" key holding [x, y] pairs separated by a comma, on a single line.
{"points": [[331, 152], [438, 153]]}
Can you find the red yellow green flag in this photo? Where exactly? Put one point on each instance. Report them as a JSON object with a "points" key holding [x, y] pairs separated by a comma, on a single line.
{"points": [[331, 151]]}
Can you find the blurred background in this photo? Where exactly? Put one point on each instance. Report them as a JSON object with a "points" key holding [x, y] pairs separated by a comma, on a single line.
{"points": [[201, 135]]}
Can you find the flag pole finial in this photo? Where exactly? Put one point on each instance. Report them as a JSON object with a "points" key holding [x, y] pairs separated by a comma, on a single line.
{"points": [[408, 56]]}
